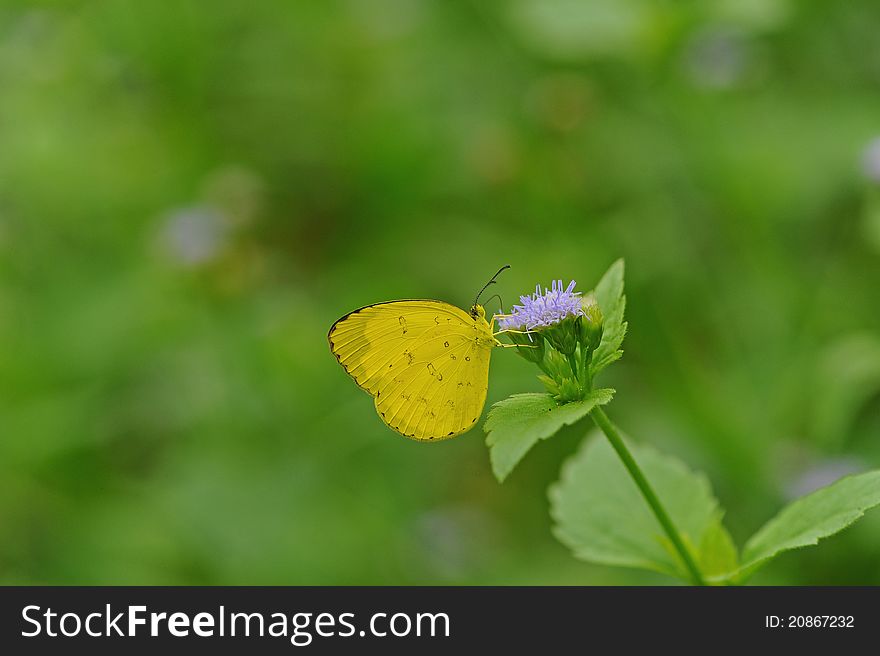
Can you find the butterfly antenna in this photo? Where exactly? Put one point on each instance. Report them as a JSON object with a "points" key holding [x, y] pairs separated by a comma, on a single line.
{"points": [[491, 282], [500, 302]]}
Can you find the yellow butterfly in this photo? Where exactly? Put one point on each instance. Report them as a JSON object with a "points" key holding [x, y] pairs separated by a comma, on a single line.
{"points": [[426, 363]]}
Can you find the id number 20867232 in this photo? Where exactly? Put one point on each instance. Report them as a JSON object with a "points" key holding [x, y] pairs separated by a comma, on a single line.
{"points": [[809, 622]]}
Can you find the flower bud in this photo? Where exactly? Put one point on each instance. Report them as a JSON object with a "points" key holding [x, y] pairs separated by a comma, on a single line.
{"points": [[563, 336], [590, 323], [557, 365]]}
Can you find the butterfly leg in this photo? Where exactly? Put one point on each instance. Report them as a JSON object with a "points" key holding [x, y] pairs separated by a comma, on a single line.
{"points": [[518, 332]]}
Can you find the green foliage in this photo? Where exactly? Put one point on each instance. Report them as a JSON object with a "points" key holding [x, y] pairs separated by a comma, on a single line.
{"points": [[601, 516], [223, 180], [516, 424], [612, 302], [811, 518]]}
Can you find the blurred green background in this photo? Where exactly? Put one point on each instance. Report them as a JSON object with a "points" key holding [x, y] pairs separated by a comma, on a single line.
{"points": [[192, 192]]}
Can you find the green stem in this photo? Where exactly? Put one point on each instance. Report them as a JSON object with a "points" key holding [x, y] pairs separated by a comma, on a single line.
{"points": [[586, 356], [604, 423], [572, 362]]}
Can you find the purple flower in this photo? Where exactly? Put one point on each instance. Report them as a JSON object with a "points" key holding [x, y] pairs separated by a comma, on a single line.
{"points": [[543, 310]]}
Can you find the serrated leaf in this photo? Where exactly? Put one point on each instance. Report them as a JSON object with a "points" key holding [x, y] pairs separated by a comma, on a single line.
{"points": [[811, 518], [515, 424], [601, 516], [612, 302]]}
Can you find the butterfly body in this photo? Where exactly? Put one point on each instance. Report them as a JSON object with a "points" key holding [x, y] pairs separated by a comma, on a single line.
{"points": [[425, 362]]}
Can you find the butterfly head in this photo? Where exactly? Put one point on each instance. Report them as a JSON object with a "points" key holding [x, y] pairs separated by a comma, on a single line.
{"points": [[478, 312]]}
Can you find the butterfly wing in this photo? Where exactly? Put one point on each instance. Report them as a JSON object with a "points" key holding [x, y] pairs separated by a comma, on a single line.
{"points": [[426, 363]]}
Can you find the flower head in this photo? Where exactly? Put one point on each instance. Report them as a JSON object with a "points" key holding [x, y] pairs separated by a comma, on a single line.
{"points": [[542, 310], [591, 324]]}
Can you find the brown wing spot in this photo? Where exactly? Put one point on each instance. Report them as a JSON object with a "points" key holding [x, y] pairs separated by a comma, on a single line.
{"points": [[409, 356], [461, 385], [434, 372], [453, 356], [473, 420], [449, 433], [437, 320], [450, 403], [402, 324], [446, 344], [467, 358]]}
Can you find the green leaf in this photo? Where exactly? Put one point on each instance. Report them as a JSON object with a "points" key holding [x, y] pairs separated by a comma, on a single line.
{"points": [[515, 424], [717, 554], [601, 516], [811, 518], [612, 302]]}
